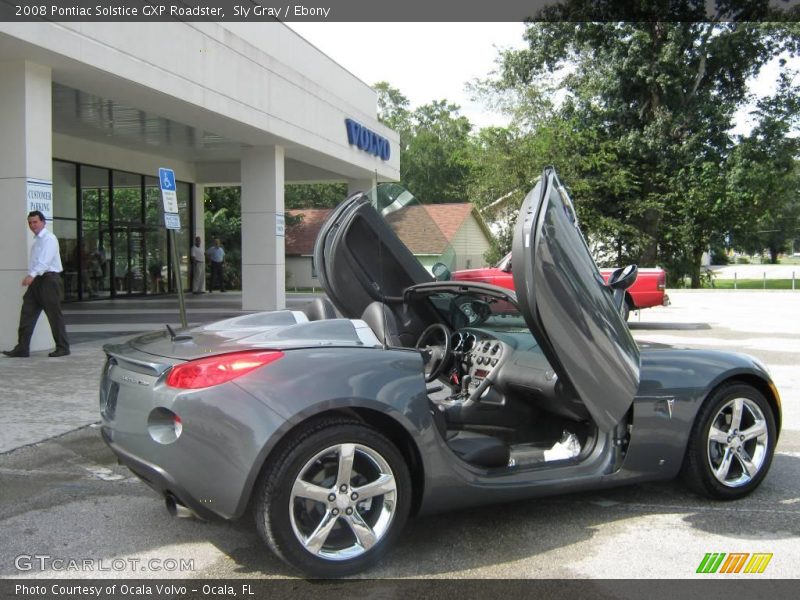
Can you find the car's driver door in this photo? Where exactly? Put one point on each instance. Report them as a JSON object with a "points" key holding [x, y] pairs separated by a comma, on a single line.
{"points": [[359, 259]]}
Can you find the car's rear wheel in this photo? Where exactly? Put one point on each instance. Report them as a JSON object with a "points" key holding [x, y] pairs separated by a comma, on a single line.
{"points": [[333, 500], [732, 443]]}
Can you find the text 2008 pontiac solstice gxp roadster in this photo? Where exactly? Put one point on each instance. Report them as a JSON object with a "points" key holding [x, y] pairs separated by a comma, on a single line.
{"points": [[426, 395]]}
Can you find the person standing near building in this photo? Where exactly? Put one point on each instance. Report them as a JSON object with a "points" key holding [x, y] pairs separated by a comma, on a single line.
{"points": [[44, 293], [198, 268], [216, 255]]}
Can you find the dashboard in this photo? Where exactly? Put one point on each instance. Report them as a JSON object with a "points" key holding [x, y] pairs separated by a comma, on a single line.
{"points": [[478, 357], [497, 367]]}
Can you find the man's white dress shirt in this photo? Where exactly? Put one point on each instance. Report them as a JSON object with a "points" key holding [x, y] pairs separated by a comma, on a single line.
{"points": [[45, 255], [198, 255]]}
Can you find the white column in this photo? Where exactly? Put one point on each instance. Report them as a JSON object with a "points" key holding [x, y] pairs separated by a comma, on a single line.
{"points": [[360, 185], [199, 210], [263, 252], [26, 142]]}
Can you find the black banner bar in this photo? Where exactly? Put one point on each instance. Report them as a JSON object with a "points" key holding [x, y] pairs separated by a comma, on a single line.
{"points": [[398, 10], [707, 588]]}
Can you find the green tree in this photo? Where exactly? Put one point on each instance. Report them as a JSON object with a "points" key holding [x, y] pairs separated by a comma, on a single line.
{"points": [[508, 162], [650, 104], [435, 146], [393, 109], [764, 178], [436, 163], [315, 195], [223, 220]]}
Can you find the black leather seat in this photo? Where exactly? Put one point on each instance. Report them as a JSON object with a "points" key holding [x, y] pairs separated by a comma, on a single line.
{"points": [[319, 309], [383, 323]]}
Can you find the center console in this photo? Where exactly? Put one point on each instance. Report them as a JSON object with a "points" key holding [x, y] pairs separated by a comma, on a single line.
{"points": [[482, 361]]}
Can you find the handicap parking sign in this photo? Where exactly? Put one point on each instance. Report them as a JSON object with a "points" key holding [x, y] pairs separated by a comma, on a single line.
{"points": [[169, 194], [167, 177]]}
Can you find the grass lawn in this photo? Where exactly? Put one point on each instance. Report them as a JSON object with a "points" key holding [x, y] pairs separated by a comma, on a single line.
{"points": [[755, 284]]}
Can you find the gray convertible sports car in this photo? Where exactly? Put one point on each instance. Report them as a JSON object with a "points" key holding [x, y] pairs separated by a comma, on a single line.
{"points": [[427, 395]]}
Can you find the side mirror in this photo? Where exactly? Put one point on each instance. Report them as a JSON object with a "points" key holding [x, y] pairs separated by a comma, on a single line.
{"points": [[619, 281], [623, 278], [440, 272], [474, 311]]}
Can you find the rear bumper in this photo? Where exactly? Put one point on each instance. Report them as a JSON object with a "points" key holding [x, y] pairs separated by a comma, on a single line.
{"points": [[666, 301], [156, 477], [212, 464]]}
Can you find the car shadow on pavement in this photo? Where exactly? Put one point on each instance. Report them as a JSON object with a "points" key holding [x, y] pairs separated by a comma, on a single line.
{"points": [[511, 540], [758, 520], [68, 498]]}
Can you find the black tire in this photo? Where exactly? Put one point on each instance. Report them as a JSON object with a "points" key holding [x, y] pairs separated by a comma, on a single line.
{"points": [[286, 520], [704, 465]]}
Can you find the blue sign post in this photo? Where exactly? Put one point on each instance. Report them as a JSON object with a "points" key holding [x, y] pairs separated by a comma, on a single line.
{"points": [[172, 221]]}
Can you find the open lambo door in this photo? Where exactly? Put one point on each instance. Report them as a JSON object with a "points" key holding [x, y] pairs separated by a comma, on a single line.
{"points": [[569, 308], [358, 255]]}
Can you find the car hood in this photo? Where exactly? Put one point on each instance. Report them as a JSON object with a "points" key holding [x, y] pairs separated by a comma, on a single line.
{"points": [[274, 330]]}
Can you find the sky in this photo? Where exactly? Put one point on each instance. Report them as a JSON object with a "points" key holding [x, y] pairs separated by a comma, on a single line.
{"points": [[425, 61], [435, 61]]}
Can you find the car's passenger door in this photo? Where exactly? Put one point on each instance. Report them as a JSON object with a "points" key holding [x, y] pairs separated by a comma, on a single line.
{"points": [[568, 307]]}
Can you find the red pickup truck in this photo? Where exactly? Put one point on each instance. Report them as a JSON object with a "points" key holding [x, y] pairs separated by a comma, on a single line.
{"points": [[647, 290]]}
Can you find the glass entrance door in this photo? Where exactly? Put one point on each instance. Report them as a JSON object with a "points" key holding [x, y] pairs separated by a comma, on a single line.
{"points": [[141, 260], [128, 261], [158, 281]]}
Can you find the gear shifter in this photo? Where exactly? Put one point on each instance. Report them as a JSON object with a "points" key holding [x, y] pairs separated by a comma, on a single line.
{"points": [[465, 384]]}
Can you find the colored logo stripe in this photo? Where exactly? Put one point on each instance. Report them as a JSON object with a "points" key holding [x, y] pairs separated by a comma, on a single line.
{"points": [[714, 562], [758, 563], [734, 562], [711, 562]]}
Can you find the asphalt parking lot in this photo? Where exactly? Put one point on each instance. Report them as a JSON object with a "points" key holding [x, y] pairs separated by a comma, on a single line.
{"points": [[66, 497]]}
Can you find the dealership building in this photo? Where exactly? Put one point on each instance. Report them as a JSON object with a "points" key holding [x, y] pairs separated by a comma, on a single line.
{"points": [[89, 113]]}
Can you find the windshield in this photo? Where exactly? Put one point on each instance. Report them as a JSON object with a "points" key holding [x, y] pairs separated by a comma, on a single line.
{"points": [[417, 227], [472, 308]]}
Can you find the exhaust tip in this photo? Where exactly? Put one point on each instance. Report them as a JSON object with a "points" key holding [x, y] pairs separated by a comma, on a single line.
{"points": [[176, 509]]}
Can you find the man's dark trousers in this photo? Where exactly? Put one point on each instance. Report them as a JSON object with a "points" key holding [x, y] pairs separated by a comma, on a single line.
{"points": [[44, 294], [216, 276]]}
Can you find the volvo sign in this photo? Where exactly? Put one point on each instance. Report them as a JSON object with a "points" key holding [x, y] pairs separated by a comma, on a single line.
{"points": [[367, 140]]}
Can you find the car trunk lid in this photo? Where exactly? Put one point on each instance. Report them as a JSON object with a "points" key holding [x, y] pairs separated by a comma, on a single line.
{"points": [[275, 330]]}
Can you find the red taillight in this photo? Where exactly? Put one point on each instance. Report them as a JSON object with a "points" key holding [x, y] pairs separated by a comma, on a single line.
{"points": [[662, 282], [215, 370]]}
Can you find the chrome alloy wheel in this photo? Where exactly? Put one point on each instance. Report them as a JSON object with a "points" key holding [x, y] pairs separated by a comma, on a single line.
{"points": [[737, 442], [343, 501]]}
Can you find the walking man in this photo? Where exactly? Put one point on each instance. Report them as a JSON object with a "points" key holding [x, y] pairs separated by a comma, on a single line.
{"points": [[198, 268], [44, 293], [217, 257]]}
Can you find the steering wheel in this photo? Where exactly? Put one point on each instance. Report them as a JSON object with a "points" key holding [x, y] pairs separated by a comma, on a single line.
{"points": [[435, 356]]}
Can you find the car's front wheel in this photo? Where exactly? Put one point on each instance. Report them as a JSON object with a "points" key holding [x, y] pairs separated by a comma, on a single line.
{"points": [[333, 500], [732, 443]]}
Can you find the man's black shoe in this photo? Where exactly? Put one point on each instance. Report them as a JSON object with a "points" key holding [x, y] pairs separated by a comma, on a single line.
{"points": [[16, 353], [57, 353]]}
